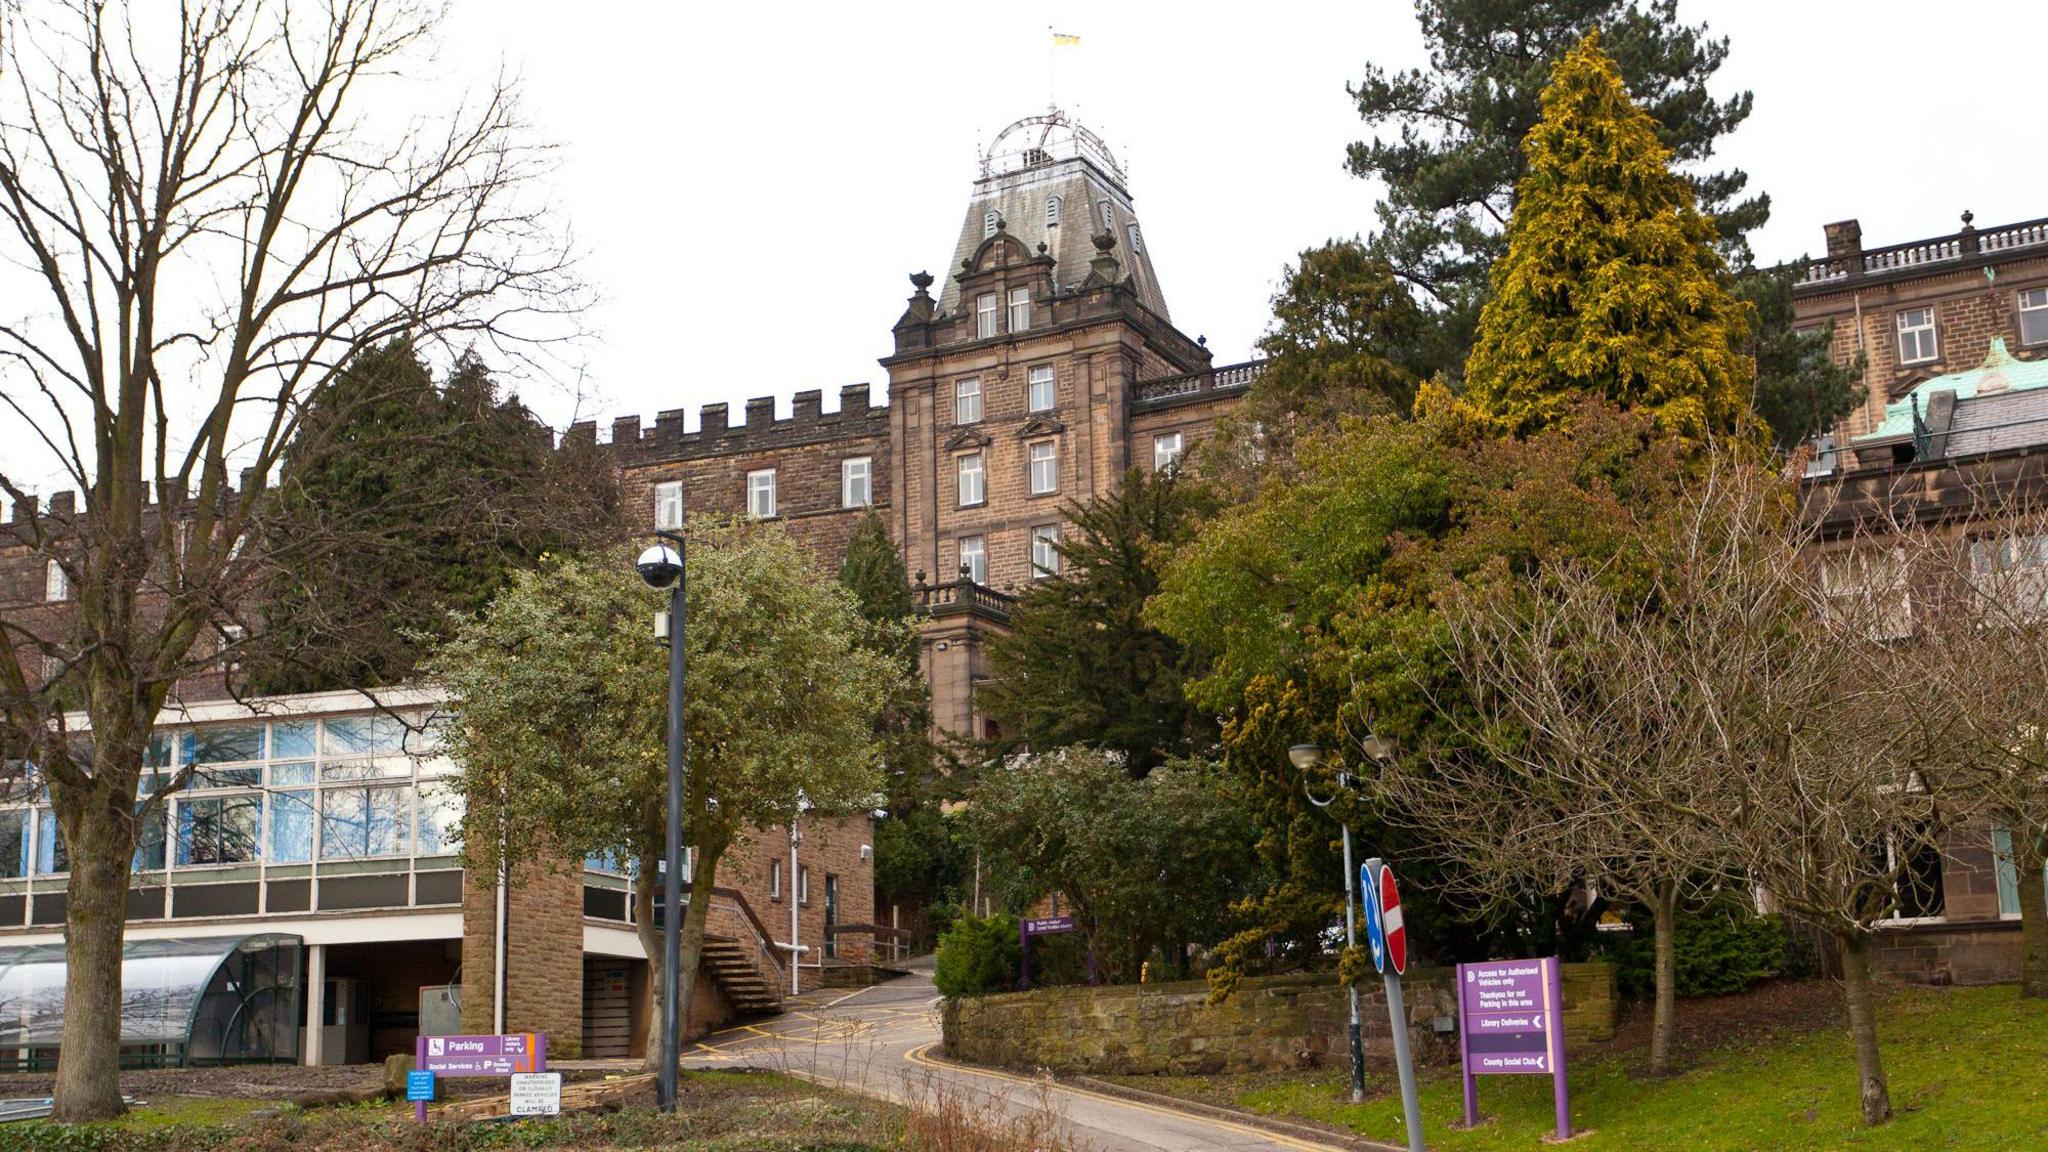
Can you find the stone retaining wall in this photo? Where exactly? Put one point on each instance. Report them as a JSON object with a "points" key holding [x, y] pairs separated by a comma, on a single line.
{"points": [[1270, 1023]]}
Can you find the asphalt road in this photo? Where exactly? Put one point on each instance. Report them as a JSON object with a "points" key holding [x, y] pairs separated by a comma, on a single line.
{"points": [[883, 1041]]}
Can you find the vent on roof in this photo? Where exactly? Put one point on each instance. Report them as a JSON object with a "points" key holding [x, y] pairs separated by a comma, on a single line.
{"points": [[1052, 212]]}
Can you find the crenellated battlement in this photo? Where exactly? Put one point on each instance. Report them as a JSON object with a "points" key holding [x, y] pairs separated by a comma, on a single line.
{"points": [[65, 507], [807, 423]]}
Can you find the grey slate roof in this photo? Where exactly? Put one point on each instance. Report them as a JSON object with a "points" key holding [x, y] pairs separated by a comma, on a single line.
{"points": [[1084, 190]]}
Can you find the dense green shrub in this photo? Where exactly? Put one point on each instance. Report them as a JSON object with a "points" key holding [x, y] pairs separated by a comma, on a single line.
{"points": [[978, 956], [1722, 949]]}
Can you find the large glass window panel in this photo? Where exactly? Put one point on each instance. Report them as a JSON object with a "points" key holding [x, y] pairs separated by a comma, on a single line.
{"points": [[224, 745], [286, 774], [381, 768], [149, 842], [14, 843], [51, 855], [239, 776], [356, 823], [219, 829], [362, 736], [440, 817], [158, 753], [291, 827], [293, 740]]}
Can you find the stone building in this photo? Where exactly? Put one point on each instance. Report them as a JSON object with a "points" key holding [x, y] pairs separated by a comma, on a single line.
{"points": [[1952, 335], [1046, 366]]}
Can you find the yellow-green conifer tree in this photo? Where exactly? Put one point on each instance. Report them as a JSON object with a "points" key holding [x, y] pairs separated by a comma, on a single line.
{"points": [[1611, 285]]}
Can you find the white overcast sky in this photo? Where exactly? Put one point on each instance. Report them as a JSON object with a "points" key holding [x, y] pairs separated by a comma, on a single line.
{"points": [[752, 182]]}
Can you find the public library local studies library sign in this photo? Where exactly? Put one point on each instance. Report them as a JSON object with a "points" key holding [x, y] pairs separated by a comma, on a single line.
{"points": [[1510, 1023]]}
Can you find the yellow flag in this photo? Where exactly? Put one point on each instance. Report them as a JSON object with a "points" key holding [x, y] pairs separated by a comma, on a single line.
{"points": [[1061, 39]]}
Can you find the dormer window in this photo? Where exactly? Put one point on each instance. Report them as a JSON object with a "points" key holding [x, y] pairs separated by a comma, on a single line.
{"points": [[988, 224], [1020, 309], [985, 315], [1052, 212]]}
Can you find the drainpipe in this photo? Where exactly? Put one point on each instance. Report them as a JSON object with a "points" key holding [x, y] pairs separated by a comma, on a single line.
{"points": [[796, 950]]}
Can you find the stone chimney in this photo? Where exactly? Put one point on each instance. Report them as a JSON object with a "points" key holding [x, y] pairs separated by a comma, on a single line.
{"points": [[1845, 238]]}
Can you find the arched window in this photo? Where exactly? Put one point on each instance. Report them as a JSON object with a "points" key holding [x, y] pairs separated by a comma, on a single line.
{"points": [[1052, 212], [988, 224]]}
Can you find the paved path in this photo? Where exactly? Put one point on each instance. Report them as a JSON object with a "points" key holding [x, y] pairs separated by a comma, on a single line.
{"points": [[882, 1041]]}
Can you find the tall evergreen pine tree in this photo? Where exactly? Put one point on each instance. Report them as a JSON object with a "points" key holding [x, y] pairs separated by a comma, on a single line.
{"points": [[1611, 285]]}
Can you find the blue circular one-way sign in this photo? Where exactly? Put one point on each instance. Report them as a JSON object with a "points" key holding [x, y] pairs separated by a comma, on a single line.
{"points": [[1375, 931]]}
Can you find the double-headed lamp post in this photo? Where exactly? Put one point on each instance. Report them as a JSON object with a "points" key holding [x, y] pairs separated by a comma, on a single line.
{"points": [[661, 568], [1305, 758]]}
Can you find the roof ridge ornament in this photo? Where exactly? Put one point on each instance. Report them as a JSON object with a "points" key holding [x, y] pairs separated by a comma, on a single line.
{"points": [[1043, 139]]}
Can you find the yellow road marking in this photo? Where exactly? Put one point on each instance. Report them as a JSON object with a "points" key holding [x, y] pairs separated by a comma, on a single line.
{"points": [[917, 1056]]}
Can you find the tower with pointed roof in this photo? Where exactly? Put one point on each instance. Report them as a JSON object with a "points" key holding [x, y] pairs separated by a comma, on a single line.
{"points": [[1016, 391]]}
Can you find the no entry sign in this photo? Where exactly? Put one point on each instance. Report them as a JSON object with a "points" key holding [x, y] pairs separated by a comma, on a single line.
{"points": [[1385, 931]]}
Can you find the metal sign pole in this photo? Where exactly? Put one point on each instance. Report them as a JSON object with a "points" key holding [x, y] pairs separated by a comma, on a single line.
{"points": [[672, 883], [1397, 1008], [1351, 941], [1560, 1093]]}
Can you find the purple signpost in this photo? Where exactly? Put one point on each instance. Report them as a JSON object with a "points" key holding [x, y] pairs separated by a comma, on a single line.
{"points": [[1043, 926], [1510, 1022], [478, 1056]]}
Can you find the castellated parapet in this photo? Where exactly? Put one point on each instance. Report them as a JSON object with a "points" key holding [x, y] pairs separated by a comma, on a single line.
{"points": [[808, 423]]}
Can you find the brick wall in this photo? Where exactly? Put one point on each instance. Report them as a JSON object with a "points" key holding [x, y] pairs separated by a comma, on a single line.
{"points": [[1270, 1024], [544, 955], [832, 846]]}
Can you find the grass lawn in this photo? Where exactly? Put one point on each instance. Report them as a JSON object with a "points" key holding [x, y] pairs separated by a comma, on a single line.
{"points": [[1968, 1070]]}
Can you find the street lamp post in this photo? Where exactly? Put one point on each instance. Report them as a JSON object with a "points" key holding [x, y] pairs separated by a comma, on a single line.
{"points": [[1305, 757], [661, 568]]}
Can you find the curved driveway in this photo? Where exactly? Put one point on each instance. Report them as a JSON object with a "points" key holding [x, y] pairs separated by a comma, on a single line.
{"points": [[881, 1041]]}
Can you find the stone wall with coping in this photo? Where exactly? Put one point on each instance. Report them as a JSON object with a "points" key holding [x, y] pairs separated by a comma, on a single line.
{"points": [[1271, 1023]]}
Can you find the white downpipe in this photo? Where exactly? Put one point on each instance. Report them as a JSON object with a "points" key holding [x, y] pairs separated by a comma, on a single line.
{"points": [[795, 892]]}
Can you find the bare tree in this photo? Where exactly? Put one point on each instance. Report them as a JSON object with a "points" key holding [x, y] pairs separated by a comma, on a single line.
{"points": [[1984, 637], [1585, 758], [1798, 651], [212, 208]]}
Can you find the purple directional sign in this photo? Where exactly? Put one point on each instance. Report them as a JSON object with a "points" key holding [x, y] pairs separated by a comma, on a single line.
{"points": [[1047, 925], [478, 1056], [1508, 1015], [1509, 1024], [483, 1055]]}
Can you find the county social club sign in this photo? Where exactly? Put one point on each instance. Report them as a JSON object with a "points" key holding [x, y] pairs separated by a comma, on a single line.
{"points": [[1509, 1014]]}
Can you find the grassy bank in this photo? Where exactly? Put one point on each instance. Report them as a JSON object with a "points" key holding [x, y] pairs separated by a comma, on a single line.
{"points": [[1968, 1070]]}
